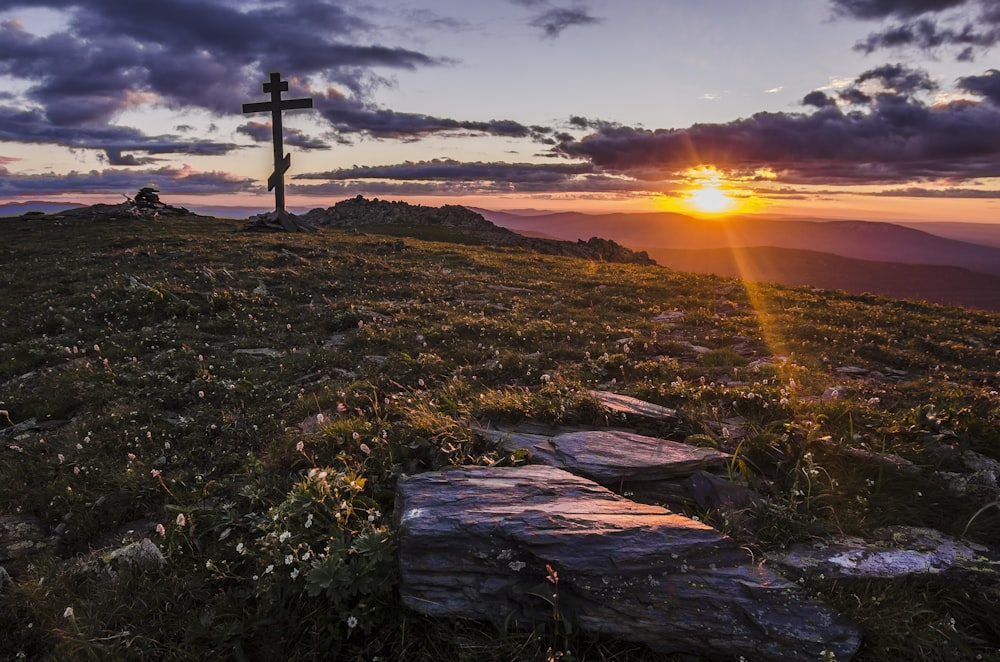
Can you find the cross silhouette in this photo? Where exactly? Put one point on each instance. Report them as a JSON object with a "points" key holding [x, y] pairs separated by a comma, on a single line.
{"points": [[275, 87]]}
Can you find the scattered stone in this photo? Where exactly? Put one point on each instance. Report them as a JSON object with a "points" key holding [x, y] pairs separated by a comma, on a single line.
{"points": [[262, 352], [314, 424], [475, 542], [897, 551], [126, 533], [626, 404], [979, 481], [142, 554], [697, 349], [274, 221], [672, 316], [23, 535], [735, 427], [834, 393], [30, 426]]}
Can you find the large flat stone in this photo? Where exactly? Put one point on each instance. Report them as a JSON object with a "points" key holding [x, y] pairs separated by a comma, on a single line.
{"points": [[474, 541], [611, 457]]}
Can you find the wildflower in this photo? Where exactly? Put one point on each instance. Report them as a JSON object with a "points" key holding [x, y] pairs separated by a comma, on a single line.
{"points": [[309, 520], [341, 407], [161, 531], [68, 612], [352, 622], [355, 436], [284, 536], [294, 573], [365, 449], [240, 549], [181, 520], [155, 473], [288, 559], [201, 394], [552, 576], [300, 447], [62, 458], [269, 569]]}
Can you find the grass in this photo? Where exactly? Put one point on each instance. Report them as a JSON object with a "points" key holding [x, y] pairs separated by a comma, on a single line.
{"points": [[259, 395]]}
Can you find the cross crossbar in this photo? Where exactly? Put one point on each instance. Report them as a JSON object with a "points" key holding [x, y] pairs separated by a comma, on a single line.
{"points": [[275, 86]]}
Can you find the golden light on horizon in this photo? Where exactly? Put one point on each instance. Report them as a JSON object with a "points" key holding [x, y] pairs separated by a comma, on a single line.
{"points": [[708, 195]]}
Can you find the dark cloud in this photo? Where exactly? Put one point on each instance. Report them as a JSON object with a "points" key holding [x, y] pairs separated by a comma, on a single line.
{"points": [[263, 132], [967, 26], [818, 99], [554, 21], [116, 158], [872, 9], [916, 192], [450, 177], [115, 55], [169, 180], [32, 126], [987, 85], [891, 137], [449, 169]]}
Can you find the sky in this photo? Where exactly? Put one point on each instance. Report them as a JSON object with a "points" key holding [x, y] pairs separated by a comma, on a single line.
{"points": [[875, 109]]}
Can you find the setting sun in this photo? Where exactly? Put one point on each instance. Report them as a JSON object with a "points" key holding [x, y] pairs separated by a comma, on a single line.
{"points": [[707, 195]]}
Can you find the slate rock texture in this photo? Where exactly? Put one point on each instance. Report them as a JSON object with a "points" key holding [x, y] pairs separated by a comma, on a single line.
{"points": [[474, 543]]}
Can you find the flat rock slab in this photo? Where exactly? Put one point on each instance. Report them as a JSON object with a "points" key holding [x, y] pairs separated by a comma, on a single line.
{"points": [[897, 551], [474, 543], [626, 404], [612, 456]]}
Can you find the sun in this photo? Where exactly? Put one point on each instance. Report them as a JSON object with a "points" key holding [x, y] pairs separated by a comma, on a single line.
{"points": [[710, 199], [707, 195]]}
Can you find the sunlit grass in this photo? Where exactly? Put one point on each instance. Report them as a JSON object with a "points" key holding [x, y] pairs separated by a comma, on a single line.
{"points": [[188, 369]]}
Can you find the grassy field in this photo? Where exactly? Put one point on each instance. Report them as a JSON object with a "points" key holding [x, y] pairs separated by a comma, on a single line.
{"points": [[257, 396]]}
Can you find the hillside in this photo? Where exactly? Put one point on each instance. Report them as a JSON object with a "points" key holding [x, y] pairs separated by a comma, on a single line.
{"points": [[855, 256], [246, 404], [937, 284]]}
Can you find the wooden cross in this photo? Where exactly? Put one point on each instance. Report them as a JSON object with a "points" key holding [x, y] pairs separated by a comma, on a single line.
{"points": [[275, 87]]}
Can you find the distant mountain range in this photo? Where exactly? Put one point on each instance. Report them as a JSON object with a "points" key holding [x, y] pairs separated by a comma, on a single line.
{"points": [[44, 206], [856, 256]]}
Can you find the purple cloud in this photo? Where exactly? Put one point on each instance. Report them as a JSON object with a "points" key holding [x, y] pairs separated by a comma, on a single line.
{"points": [[987, 85], [970, 26], [892, 137], [172, 181]]}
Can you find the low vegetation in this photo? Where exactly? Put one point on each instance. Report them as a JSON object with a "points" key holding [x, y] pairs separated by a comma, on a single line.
{"points": [[254, 398]]}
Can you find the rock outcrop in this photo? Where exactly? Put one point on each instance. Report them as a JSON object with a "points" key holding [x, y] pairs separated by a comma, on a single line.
{"points": [[476, 542], [359, 212]]}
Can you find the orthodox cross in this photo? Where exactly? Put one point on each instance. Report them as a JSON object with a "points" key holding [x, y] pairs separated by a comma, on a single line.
{"points": [[275, 87]]}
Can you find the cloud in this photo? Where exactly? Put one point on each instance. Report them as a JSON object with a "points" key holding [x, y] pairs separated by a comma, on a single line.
{"points": [[886, 135], [452, 170], [871, 9], [182, 54], [263, 132], [451, 177], [552, 20], [170, 180], [969, 26], [916, 192], [987, 85]]}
